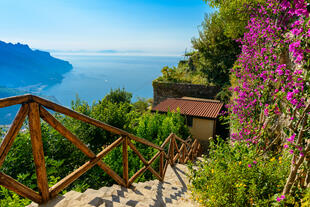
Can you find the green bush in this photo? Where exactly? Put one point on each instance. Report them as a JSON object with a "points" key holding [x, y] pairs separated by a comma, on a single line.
{"points": [[62, 157], [11, 199], [306, 198], [234, 175]]}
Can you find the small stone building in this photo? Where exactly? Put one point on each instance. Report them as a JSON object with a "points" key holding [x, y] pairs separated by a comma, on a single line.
{"points": [[201, 115]]}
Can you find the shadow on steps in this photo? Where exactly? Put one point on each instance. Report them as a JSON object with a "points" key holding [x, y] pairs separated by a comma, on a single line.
{"points": [[172, 192]]}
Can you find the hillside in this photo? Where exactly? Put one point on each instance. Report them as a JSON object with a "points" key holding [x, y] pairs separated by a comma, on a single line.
{"points": [[21, 66], [24, 70], [7, 114]]}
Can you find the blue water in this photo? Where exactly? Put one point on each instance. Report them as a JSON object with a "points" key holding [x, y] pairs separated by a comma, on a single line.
{"points": [[93, 77]]}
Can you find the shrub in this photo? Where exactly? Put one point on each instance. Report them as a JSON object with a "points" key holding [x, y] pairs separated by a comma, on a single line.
{"points": [[233, 175], [62, 157], [306, 199], [11, 199]]}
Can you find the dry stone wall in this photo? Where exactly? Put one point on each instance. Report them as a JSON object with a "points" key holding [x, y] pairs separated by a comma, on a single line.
{"points": [[164, 90]]}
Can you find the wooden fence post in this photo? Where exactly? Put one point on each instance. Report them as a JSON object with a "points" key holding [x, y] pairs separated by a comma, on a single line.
{"points": [[183, 154], [172, 150], [37, 150], [9, 138], [125, 160], [161, 165]]}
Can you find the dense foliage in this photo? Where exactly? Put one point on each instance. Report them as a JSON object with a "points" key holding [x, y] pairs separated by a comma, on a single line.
{"points": [[270, 110], [234, 14], [209, 57], [62, 157], [271, 102], [216, 49], [210, 62], [235, 176]]}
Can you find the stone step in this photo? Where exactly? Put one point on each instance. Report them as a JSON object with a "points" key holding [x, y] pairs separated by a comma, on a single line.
{"points": [[172, 192]]}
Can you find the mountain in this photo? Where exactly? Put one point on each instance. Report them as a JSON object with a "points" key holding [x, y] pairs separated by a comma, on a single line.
{"points": [[23, 71], [21, 66]]}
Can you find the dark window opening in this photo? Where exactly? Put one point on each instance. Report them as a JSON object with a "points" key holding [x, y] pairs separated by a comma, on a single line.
{"points": [[189, 121]]}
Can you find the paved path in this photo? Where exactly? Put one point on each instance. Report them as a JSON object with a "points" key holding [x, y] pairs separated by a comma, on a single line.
{"points": [[172, 192]]}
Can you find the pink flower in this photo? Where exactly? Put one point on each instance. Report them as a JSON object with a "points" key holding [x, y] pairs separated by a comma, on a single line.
{"points": [[249, 165], [289, 96], [291, 151], [279, 71], [296, 31], [282, 197], [292, 138], [258, 69], [285, 4], [294, 45], [277, 110], [254, 162], [294, 101]]}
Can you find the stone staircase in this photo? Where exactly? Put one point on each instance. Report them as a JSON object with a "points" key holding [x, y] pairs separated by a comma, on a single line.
{"points": [[172, 192]]}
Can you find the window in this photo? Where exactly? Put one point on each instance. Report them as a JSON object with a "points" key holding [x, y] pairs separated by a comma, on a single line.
{"points": [[189, 121]]}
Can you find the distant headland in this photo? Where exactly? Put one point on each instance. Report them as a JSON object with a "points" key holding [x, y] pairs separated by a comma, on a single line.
{"points": [[21, 66], [24, 70]]}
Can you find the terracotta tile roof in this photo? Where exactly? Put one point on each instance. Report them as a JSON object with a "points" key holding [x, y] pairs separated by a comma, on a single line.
{"points": [[190, 106]]}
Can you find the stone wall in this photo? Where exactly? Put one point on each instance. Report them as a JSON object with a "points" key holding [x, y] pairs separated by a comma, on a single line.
{"points": [[164, 90]]}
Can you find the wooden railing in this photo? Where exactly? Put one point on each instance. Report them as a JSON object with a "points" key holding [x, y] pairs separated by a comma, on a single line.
{"points": [[173, 149]]}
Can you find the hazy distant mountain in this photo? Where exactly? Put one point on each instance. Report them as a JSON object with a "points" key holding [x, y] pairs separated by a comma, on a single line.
{"points": [[21, 66], [107, 51], [23, 70]]}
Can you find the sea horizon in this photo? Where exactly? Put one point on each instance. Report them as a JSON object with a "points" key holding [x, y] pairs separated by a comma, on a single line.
{"points": [[93, 76]]}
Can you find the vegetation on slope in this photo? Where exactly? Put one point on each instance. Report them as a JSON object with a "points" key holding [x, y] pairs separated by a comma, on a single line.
{"points": [[211, 60], [236, 176], [62, 157], [266, 162]]}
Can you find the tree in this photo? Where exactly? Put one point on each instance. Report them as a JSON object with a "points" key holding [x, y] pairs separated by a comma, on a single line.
{"points": [[235, 15], [118, 96], [213, 56], [215, 53]]}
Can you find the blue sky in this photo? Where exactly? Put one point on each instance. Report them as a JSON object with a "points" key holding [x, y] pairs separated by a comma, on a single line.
{"points": [[153, 26]]}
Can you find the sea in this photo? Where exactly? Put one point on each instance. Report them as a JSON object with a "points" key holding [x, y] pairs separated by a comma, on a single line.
{"points": [[93, 76]]}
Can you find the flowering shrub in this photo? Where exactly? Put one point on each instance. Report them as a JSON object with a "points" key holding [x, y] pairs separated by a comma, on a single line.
{"points": [[271, 102], [235, 176]]}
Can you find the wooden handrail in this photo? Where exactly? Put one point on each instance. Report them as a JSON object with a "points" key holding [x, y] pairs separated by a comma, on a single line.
{"points": [[12, 133], [48, 118], [15, 100], [83, 169], [11, 184], [63, 110], [34, 108]]}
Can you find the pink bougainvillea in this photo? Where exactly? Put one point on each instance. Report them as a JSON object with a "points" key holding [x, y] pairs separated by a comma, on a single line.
{"points": [[272, 79]]}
